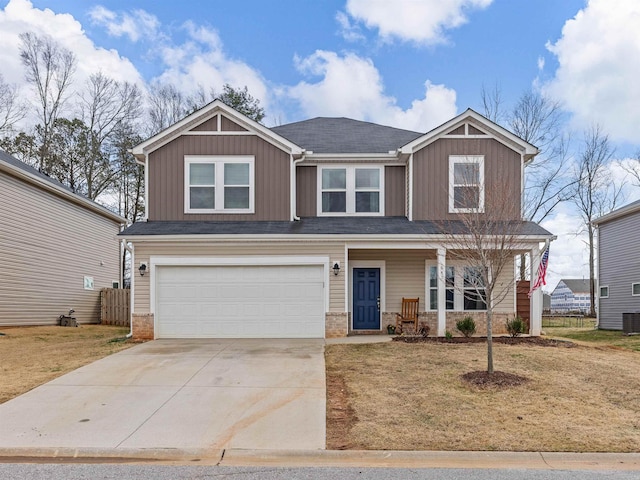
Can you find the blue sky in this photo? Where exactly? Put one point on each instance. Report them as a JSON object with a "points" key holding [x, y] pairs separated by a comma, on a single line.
{"points": [[407, 63]]}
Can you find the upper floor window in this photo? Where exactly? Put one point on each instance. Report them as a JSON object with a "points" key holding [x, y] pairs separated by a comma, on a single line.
{"points": [[350, 190], [604, 291], [466, 184], [635, 289], [219, 184]]}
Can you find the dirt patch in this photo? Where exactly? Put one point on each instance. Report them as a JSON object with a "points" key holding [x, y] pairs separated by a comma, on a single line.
{"points": [[537, 341], [31, 356], [340, 413], [483, 379]]}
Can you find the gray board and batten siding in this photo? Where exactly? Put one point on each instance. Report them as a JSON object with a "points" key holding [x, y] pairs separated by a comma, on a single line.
{"points": [[618, 268], [48, 243]]}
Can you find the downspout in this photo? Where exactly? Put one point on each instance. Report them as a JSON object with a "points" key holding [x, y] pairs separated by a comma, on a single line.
{"points": [[130, 250], [146, 187], [294, 192]]}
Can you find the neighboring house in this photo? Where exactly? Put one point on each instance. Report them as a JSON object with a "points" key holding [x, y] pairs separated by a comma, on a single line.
{"points": [[317, 228], [571, 295], [57, 249], [618, 265]]}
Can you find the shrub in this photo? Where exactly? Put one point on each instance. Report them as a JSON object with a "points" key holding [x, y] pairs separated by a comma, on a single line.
{"points": [[424, 329], [515, 327], [466, 326], [448, 335]]}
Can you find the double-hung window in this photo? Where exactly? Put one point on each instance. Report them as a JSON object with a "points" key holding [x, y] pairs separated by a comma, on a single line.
{"points": [[475, 297], [449, 287], [466, 183], [350, 190], [219, 184]]}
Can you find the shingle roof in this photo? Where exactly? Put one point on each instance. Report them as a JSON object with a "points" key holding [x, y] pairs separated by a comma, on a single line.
{"points": [[316, 226], [577, 285], [54, 185], [344, 135]]}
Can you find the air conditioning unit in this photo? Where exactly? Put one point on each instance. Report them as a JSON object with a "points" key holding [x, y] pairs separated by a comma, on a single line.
{"points": [[631, 322]]}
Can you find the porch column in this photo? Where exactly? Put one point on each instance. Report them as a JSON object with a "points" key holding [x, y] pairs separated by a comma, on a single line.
{"points": [[442, 298], [535, 305]]}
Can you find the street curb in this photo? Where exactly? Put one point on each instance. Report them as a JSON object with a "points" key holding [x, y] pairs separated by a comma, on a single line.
{"points": [[331, 458]]}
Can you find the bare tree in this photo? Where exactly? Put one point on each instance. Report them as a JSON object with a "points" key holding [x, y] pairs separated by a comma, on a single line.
{"points": [[538, 120], [493, 104], [12, 109], [634, 169], [166, 106], [49, 69], [105, 103], [485, 239], [595, 191]]}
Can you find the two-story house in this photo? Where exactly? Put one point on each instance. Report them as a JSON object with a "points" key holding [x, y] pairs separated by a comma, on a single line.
{"points": [[618, 266], [317, 228]]}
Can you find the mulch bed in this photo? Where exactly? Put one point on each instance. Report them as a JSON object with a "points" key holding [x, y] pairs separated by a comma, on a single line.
{"points": [[483, 379], [536, 341]]}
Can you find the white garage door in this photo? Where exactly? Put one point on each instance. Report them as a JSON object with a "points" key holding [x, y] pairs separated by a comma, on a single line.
{"points": [[240, 301]]}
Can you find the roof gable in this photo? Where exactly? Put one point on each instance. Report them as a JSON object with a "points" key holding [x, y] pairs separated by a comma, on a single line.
{"points": [[576, 285], [30, 175], [344, 135], [471, 124], [203, 117]]}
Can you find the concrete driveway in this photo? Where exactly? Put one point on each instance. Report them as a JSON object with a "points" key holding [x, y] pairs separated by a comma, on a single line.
{"points": [[182, 394]]}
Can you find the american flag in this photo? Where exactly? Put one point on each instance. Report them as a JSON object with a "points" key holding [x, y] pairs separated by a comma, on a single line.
{"points": [[542, 272]]}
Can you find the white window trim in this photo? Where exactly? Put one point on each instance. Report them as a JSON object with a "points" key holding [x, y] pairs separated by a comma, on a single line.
{"points": [[600, 291], [219, 184], [350, 190], [458, 289], [476, 159], [634, 294]]}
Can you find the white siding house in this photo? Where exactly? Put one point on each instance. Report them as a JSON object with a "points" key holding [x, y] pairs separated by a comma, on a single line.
{"points": [[571, 295]]}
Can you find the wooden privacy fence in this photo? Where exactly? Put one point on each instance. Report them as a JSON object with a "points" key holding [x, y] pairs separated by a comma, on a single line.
{"points": [[114, 306]]}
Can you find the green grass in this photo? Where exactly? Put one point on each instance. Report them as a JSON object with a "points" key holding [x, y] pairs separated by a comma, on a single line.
{"points": [[598, 337]]}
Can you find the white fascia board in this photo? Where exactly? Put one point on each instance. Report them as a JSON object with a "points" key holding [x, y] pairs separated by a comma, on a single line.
{"points": [[435, 134], [379, 241], [62, 192], [204, 114], [621, 212]]}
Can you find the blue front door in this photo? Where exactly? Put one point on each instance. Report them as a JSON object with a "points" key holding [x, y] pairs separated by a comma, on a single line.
{"points": [[366, 299]]}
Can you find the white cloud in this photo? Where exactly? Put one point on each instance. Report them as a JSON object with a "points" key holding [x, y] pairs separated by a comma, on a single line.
{"points": [[599, 69], [136, 25], [348, 30], [201, 61], [20, 16], [351, 86], [424, 21]]}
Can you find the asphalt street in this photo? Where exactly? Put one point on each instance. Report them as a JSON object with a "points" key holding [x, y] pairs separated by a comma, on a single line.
{"points": [[165, 472]]}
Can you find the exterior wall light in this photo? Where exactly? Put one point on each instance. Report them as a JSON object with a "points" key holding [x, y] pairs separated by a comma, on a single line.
{"points": [[336, 268], [142, 269]]}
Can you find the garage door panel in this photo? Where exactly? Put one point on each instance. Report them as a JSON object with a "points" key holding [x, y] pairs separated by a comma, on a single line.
{"points": [[240, 301]]}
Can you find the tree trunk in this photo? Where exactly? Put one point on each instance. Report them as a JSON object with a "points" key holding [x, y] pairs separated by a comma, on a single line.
{"points": [[523, 266], [489, 341]]}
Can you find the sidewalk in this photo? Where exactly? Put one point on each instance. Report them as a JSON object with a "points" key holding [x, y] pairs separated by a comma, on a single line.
{"points": [[332, 458]]}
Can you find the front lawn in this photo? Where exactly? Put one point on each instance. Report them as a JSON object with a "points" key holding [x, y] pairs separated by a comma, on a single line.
{"points": [[31, 356], [410, 396], [597, 337]]}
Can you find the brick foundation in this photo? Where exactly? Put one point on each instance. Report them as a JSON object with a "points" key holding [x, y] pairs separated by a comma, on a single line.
{"points": [[336, 325], [142, 324]]}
